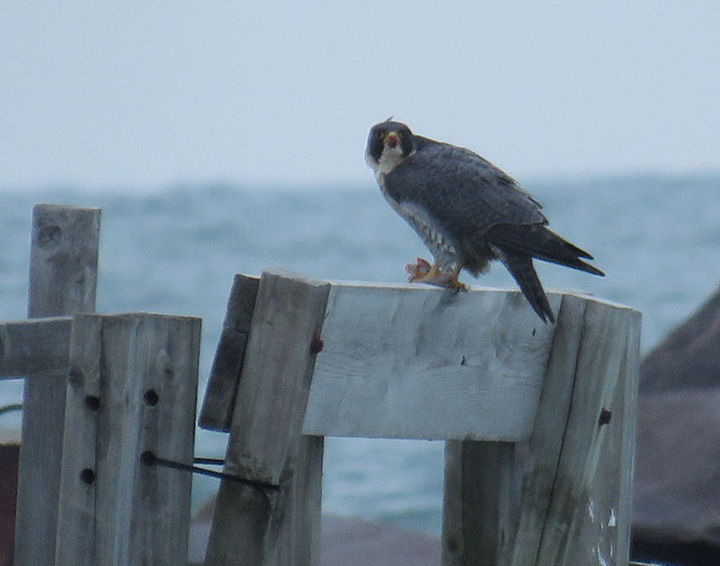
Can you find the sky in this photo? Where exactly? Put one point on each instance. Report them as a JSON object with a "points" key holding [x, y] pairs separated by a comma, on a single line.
{"points": [[147, 94]]}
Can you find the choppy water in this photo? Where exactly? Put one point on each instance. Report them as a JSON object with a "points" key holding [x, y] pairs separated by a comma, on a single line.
{"points": [[176, 250]]}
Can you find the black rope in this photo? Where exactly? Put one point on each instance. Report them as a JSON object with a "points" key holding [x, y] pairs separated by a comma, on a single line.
{"points": [[151, 459]]}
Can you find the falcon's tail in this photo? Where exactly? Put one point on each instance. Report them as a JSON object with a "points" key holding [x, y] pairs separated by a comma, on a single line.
{"points": [[521, 268], [539, 242]]}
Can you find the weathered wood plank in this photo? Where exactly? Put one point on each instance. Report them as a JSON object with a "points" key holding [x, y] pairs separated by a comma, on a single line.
{"points": [[219, 402], [480, 503], [542, 453], [272, 396], [252, 526], [295, 538], [421, 362], [76, 513], [584, 524], [63, 279], [561, 502], [268, 528], [142, 372], [627, 403], [34, 347]]}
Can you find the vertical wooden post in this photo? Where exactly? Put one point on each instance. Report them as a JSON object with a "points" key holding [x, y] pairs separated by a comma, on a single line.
{"points": [[278, 528], [479, 503], [63, 279], [221, 391], [132, 389], [572, 499]]}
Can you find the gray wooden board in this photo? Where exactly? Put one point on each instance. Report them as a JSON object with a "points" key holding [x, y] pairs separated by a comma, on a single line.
{"points": [[273, 389], [219, 401], [479, 507], [63, 279], [271, 528], [143, 370], [585, 519], [541, 454], [422, 362], [63, 260], [34, 347], [76, 514]]}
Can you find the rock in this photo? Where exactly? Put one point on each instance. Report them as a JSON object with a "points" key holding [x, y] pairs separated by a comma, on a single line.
{"points": [[676, 515], [689, 358]]}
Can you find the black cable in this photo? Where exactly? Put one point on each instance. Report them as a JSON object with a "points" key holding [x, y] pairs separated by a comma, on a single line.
{"points": [[209, 461], [151, 459]]}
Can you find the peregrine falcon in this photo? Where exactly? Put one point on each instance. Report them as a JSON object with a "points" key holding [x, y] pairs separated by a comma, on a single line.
{"points": [[467, 212]]}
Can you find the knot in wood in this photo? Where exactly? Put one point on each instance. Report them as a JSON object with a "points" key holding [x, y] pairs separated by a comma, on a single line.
{"points": [[50, 234]]}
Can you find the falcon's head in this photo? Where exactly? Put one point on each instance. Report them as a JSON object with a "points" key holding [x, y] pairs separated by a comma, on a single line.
{"points": [[389, 143]]}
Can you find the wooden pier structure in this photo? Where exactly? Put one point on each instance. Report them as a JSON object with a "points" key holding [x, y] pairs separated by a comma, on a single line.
{"points": [[538, 420]]}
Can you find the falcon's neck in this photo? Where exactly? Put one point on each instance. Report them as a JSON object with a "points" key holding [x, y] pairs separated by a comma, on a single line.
{"points": [[389, 159]]}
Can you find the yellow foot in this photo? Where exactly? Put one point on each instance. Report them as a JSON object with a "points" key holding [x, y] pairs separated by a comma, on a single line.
{"points": [[418, 270], [422, 272]]}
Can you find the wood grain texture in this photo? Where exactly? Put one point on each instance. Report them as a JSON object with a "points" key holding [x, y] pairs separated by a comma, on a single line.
{"points": [[253, 526], [479, 503], [276, 375], [564, 498], [542, 452], [585, 524], [63, 260], [267, 528], [76, 514], [142, 369], [420, 362], [63, 280], [30, 348], [219, 401]]}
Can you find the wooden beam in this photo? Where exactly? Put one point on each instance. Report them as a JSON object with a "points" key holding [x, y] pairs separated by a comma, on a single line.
{"points": [[479, 503], [285, 339], [63, 281], [35, 347], [272, 528], [563, 498], [280, 527], [133, 389], [428, 363], [588, 520], [219, 402]]}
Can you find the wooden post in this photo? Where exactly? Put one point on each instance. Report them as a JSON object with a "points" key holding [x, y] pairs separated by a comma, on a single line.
{"points": [[278, 528], [63, 279], [34, 347], [568, 500], [538, 418], [132, 389], [221, 391]]}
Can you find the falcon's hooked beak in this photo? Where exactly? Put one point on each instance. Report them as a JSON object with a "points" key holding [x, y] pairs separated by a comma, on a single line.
{"points": [[392, 139]]}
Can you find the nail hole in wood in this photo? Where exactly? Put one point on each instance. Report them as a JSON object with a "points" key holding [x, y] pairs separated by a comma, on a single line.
{"points": [[92, 402], [87, 476], [151, 397]]}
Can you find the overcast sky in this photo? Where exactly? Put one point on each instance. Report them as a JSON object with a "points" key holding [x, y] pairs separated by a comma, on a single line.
{"points": [[146, 94]]}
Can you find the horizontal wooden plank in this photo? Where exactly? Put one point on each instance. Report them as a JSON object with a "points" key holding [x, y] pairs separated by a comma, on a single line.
{"points": [[30, 347], [423, 362]]}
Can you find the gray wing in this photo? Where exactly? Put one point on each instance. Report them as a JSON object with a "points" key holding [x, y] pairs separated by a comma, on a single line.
{"points": [[465, 193]]}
